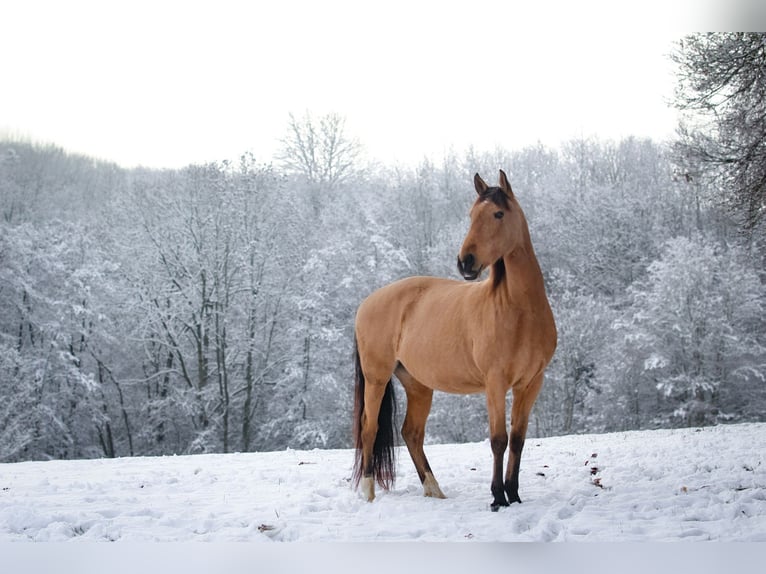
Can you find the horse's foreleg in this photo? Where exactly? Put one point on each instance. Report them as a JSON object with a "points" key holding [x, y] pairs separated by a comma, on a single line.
{"points": [[523, 400], [419, 398], [498, 437]]}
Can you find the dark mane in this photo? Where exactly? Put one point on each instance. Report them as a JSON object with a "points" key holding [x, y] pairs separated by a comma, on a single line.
{"points": [[496, 196], [498, 272]]}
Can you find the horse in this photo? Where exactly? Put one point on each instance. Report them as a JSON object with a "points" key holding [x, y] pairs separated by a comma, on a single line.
{"points": [[432, 333]]}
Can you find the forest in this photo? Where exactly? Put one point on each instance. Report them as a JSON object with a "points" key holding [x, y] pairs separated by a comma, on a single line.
{"points": [[211, 308]]}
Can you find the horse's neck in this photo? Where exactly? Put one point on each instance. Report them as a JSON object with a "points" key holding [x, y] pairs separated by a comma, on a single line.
{"points": [[521, 283]]}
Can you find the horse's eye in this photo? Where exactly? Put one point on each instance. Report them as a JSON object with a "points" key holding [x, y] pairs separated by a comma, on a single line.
{"points": [[499, 214]]}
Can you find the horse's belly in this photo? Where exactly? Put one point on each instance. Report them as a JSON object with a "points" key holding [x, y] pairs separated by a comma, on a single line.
{"points": [[443, 367], [457, 385], [447, 382]]}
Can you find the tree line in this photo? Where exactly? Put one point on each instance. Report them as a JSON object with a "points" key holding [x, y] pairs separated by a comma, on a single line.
{"points": [[210, 309]]}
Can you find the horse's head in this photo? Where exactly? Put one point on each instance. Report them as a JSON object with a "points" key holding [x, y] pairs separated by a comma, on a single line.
{"points": [[497, 228]]}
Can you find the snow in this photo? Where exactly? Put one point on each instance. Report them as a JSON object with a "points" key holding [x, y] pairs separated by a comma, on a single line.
{"points": [[663, 485]]}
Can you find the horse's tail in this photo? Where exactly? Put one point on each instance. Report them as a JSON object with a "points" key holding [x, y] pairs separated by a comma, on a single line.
{"points": [[383, 459]]}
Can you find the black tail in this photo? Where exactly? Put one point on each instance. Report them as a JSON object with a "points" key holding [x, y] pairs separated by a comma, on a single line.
{"points": [[383, 459]]}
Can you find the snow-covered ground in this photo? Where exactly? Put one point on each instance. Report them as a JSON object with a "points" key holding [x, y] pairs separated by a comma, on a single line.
{"points": [[667, 485], [690, 484]]}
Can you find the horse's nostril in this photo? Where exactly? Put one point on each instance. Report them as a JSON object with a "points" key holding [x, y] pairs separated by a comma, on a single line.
{"points": [[468, 262]]}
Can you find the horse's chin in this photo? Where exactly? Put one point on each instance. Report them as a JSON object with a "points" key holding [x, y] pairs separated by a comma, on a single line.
{"points": [[471, 275]]}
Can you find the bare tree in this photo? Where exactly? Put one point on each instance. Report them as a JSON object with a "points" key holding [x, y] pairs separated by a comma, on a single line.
{"points": [[320, 151], [722, 89]]}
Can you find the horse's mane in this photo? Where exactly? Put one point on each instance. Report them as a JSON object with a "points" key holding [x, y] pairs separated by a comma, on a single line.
{"points": [[498, 273]]}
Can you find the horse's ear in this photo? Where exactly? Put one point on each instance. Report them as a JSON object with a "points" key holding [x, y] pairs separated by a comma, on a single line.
{"points": [[504, 185], [481, 186]]}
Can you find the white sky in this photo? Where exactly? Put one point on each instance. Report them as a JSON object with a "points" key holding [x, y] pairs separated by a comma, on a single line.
{"points": [[170, 83]]}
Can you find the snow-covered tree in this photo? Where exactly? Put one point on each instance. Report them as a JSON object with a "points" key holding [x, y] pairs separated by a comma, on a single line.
{"points": [[575, 376], [695, 326]]}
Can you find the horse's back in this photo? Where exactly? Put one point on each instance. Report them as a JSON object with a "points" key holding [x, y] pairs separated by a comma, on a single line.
{"points": [[384, 310]]}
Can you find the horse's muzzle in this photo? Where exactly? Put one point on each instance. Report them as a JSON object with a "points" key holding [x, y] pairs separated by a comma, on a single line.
{"points": [[466, 269]]}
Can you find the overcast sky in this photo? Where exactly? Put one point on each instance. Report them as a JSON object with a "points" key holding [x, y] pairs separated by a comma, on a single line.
{"points": [[165, 84]]}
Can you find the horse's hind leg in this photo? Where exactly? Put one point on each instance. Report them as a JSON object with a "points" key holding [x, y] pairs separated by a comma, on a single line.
{"points": [[419, 399], [373, 397]]}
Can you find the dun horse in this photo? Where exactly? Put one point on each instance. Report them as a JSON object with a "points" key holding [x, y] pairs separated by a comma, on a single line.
{"points": [[489, 336]]}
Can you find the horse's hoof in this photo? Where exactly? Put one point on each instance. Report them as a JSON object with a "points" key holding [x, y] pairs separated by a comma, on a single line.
{"points": [[431, 487], [368, 488]]}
